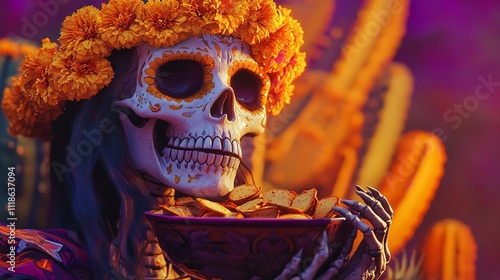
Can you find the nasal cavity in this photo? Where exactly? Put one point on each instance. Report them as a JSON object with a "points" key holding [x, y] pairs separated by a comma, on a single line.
{"points": [[223, 105]]}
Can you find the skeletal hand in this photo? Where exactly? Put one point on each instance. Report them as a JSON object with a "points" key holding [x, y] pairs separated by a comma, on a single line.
{"points": [[370, 259]]}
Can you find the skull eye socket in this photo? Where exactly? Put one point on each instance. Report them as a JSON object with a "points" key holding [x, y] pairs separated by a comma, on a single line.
{"points": [[247, 87], [180, 78]]}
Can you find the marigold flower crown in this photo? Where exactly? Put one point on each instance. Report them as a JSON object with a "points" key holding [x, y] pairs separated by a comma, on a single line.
{"points": [[78, 69]]}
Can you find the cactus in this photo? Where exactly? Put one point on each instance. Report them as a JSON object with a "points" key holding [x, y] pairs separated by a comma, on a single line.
{"points": [[450, 251]]}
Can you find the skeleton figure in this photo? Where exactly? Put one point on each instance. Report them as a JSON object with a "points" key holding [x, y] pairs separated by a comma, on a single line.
{"points": [[166, 120], [186, 114]]}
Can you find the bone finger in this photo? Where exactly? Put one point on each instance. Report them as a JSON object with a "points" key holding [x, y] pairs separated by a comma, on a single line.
{"points": [[383, 200], [319, 259], [348, 244], [385, 243], [291, 268], [366, 212], [375, 205], [380, 265], [387, 219], [360, 189], [373, 246], [357, 268], [345, 251], [353, 219], [333, 271]]}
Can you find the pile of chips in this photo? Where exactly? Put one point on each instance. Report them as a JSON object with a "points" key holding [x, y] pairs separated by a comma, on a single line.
{"points": [[248, 201]]}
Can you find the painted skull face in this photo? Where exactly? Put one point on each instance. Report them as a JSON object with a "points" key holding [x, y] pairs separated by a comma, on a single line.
{"points": [[195, 101]]}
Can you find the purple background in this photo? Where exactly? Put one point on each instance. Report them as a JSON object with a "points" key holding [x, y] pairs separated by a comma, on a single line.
{"points": [[448, 46]]}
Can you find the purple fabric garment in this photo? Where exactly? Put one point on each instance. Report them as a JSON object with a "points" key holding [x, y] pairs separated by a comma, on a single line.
{"points": [[41, 254]]}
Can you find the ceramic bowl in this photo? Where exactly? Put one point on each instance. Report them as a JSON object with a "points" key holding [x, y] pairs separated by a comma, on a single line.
{"points": [[231, 248]]}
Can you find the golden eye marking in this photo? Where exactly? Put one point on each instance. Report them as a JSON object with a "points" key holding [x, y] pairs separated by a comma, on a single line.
{"points": [[177, 179], [217, 48], [155, 108], [188, 114], [169, 169], [175, 108], [207, 63]]}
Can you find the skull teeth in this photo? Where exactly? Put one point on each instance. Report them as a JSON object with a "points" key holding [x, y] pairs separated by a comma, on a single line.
{"points": [[201, 158], [207, 144], [209, 151]]}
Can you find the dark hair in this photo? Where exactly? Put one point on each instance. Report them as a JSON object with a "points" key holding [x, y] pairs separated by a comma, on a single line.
{"points": [[95, 185]]}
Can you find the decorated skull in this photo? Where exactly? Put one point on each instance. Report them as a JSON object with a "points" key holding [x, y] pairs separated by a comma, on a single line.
{"points": [[192, 104]]}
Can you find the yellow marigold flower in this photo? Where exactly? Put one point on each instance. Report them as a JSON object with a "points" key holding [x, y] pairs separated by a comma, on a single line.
{"points": [[35, 77], [164, 22], [224, 16], [80, 34], [261, 21], [80, 79], [119, 25]]}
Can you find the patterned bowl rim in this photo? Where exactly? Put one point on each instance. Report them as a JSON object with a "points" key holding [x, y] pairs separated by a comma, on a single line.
{"points": [[238, 222]]}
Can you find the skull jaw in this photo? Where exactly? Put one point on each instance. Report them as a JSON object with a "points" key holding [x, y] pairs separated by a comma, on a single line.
{"points": [[198, 180], [212, 180]]}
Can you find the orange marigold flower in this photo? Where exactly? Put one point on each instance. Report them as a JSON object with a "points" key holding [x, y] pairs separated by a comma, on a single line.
{"points": [[119, 25], [26, 117], [261, 21], [80, 34], [194, 11], [164, 22], [11, 99], [35, 77], [80, 79], [282, 84], [279, 94], [224, 16], [276, 51]]}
